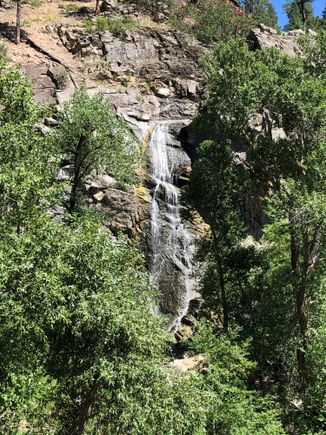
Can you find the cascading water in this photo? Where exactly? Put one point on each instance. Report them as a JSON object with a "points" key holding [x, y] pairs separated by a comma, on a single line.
{"points": [[172, 243]]}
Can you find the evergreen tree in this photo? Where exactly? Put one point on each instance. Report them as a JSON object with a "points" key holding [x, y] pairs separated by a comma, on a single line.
{"points": [[300, 15], [262, 12]]}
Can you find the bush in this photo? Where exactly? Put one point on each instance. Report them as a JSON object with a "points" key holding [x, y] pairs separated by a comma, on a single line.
{"points": [[3, 51], [210, 21], [73, 9], [116, 25]]}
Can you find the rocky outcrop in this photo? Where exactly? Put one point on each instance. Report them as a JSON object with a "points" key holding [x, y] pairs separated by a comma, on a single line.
{"points": [[266, 37], [51, 83], [146, 73], [125, 212]]}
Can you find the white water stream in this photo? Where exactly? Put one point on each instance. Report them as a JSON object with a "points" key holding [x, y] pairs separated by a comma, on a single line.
{"points": [[172, 242]]}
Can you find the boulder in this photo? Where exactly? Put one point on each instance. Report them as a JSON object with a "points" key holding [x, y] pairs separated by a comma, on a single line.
{"points": [[44, 88], [163, 92], [266, 37]]}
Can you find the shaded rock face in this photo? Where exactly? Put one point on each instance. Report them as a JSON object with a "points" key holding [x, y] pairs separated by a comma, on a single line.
{"points": [[126, 212], [50, 83], [43, 85]]}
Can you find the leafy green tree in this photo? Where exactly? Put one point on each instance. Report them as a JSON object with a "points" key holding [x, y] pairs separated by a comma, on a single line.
{"points": [[87, 354], [210, 21], [16, 97], [213, 192], [233, 409], [90, 136], [284, 165], [27, 166]]}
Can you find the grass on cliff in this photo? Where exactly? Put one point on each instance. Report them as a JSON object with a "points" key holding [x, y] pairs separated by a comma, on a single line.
{"points": [[116, 24]]}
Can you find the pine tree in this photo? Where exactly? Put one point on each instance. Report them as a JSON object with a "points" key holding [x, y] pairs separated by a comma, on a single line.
{"points": [[262, 11], [300, 14]]}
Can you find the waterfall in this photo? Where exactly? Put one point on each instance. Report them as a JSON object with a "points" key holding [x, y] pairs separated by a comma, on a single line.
{"points": [[172, 242]]}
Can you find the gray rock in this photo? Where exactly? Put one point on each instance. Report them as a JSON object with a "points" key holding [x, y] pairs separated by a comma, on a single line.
{"points": [[50, 122], [64, 173], [265, 37], [163, 92], [103, 182]]}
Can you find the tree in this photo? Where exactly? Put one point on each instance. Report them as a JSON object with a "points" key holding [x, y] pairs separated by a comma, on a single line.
{"points": [[216, 21], [300, 14], [91, 136], [16, 97], [262, 11], [213, 192], [97, 7], [286, 94], [26, 161], [18, 20]]}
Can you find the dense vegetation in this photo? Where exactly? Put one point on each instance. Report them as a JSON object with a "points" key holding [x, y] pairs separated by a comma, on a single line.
{"points": [[273, 106], [81, 350]]}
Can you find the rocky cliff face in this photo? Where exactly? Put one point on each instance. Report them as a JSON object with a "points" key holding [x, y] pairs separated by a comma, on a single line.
{"points": [[146, 74], [151, 75]]}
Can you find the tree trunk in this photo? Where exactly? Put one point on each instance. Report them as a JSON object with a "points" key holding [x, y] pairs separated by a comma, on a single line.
{"points": [[300, 308], [303, 322], [18, 20], [309, 254], [78, 171], [73, 195], [303, 13], [77, 427], [97, 7], [223, 298]]}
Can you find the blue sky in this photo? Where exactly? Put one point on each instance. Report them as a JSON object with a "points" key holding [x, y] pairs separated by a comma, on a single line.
{"points": [[318, 7]]}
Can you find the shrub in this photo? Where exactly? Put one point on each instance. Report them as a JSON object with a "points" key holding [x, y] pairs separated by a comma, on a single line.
{"points": [[104, 24]]}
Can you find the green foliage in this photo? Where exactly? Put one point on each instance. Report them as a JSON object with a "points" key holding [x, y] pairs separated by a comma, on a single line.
{"points": [[262, 11], [232, 409], [294, 13], [3, 51], [315, 54], [16, 98], [116, 25], [74, 9], [273, 107], [91, 136], [213, 21], [81, 350], [35, 3]]}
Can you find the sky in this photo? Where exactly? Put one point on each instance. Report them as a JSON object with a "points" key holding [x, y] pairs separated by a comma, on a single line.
{"points": [[318, 7]]}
